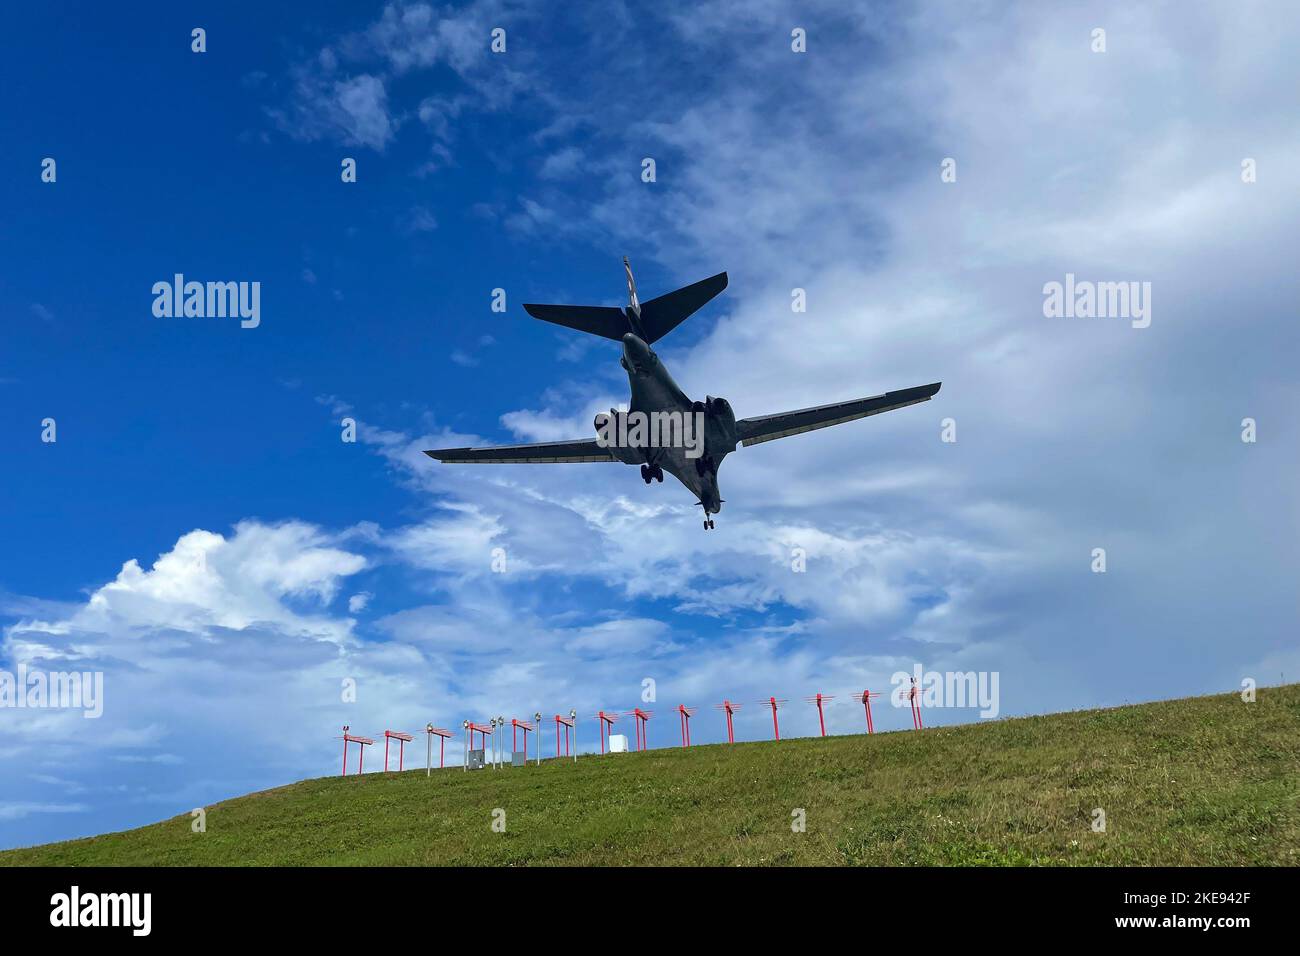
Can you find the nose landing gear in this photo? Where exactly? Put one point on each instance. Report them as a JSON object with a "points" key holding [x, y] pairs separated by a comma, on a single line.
{"points": [[708, 524]]}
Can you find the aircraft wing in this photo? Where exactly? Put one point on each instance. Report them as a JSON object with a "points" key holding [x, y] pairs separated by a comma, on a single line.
{"points": [[550, 452], [752, 431]]}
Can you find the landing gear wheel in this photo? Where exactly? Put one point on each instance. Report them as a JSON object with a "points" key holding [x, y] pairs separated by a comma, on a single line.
{"points": [[645, 474], [710, 524], [657, 474]]}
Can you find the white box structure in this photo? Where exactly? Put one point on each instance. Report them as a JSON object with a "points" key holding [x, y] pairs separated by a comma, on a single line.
{"points": [[618, 743]]}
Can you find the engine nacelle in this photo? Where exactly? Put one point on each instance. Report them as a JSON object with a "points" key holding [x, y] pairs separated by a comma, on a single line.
{"points": [[720, 436]]}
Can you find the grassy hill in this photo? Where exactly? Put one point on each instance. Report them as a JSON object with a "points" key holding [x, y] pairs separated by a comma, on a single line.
{"points": [[1208, 780]]}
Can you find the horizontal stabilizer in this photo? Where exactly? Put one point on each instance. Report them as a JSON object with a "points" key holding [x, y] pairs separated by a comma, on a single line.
{"points": [[650, 320], [597, 319], [660, 316], [752, 431]]}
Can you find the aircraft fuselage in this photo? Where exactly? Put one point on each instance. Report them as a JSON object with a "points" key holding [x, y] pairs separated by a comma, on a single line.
{"points": [[653, 390]]}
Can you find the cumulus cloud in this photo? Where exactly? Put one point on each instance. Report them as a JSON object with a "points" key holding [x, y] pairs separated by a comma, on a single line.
{"points": [[342, 91], [221, 637], [353, 109]]}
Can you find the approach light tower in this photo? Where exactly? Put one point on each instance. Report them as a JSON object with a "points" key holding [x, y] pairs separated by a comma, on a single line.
{"points": [[730, 709]]}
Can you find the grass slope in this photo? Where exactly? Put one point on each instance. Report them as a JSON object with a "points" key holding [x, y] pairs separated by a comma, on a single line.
{"points": [[1207, 780]]}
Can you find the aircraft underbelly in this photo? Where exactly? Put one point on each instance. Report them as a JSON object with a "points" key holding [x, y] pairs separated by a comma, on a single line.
{"points": [[655, 391]]}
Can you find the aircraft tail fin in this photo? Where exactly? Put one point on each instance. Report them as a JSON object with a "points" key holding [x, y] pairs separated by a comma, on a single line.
{"points": [[650, 320], [633, 305]]}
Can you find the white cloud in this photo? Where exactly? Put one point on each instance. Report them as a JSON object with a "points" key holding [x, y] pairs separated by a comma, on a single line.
{"points": [[16, 810], [562, 163], [420, 219], [407, 38], [355, 109]]}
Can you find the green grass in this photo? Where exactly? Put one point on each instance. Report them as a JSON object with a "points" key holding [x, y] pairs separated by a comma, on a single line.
{"points": [[1201, 781]]}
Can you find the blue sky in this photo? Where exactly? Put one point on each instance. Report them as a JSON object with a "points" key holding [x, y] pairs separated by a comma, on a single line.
{"points": [[200, 534]]}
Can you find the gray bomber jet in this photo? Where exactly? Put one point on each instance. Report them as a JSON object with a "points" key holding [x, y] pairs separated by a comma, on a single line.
{"points": [[692, 460]]}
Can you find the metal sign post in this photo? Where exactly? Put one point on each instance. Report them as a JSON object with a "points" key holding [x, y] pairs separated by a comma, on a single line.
{"points": [[537, 722]]}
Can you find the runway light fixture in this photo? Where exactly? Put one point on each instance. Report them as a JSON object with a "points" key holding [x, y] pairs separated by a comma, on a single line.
{"points": [[442, 734]]}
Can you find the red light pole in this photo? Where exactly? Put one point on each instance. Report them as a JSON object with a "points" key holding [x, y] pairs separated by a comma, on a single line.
{"points": [[730, 709], [866, 697], [403, 740], [684, 714], [914, 695], [364, 742], [640, 717], [605, 719], [515, 727], [568, 726], [774, 702], [821, 718], [471, 729], [442, 735]]}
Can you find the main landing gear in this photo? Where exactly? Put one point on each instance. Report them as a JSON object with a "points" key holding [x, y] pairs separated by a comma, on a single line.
{"points": [[708, 524], [651, 473]]}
